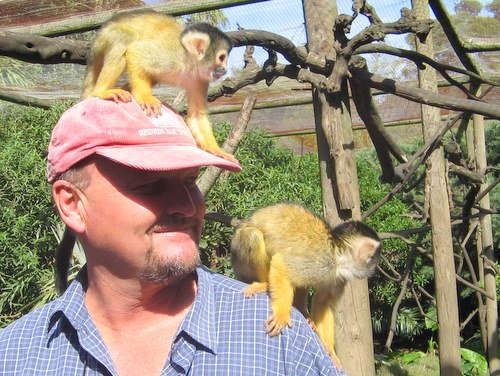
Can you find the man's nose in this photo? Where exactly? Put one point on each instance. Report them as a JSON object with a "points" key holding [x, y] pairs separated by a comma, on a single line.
{"points": [[179, 200]]}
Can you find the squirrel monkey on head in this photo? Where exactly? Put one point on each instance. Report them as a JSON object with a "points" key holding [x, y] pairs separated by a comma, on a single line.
{"points": [[285, 249], [154, 48]]}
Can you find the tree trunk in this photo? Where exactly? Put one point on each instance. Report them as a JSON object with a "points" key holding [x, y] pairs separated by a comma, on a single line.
{"points": [[487, 252], [442, 243], [339, 183]]}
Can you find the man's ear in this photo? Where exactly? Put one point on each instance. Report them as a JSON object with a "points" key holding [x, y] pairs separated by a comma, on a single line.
{"points": [[66, 198]]}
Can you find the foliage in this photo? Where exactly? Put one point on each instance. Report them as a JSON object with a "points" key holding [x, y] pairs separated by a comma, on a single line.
{"points": [[473, 363], [408, 323], [270, 175], [26, 218], [492, 135], [420, 363], [472, 7], [494, 8], [213, 17]]}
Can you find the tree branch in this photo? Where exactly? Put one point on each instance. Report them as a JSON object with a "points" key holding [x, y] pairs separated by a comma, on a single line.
{"points": [[212, 173], [419, 58], [382, 140], [427, 97], [42, 50]]}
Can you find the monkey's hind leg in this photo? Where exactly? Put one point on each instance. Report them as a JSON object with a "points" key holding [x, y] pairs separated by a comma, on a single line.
{"points": [[300, 301], [281, 292], [323, 317], [113, 67], [141, 82], [198, 122], [250, 260]]}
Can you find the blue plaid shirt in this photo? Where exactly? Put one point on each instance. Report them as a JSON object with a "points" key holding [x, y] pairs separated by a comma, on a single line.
{"points": [[222, 334]]}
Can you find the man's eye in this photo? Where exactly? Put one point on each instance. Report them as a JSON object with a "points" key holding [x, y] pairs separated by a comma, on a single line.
{"points": [[150, 188], [191, 181]]}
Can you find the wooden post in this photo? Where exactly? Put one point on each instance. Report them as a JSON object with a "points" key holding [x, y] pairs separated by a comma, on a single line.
{"points": [[340, 192], [436, 187], [486, 250]]}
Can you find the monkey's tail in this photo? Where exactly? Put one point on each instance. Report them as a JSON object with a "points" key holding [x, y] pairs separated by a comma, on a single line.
{"points": [[63, 257], [95, 63], [89, 82]]}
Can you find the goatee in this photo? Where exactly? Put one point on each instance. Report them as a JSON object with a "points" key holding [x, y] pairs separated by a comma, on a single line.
{"points": [[162, 271]]}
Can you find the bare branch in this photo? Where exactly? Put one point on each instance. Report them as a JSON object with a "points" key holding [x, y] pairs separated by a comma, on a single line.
{"points": [[26, 100], [419, 58], [42, 50], [427, 97], [271, 41], [474, 47], [451, 32], [212, 173], [382, 140], [378, 31], [404, 286]]}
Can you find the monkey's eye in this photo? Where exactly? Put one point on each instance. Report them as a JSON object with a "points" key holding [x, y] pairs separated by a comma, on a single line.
{"points": [[222, 58]]}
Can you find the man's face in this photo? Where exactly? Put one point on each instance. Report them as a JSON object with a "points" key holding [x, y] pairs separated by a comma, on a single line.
{"points": [[142, 224]]}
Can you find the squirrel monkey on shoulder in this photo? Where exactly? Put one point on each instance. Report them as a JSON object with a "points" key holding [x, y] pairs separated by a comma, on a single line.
{"points": [[154, 48], [285, 249]]}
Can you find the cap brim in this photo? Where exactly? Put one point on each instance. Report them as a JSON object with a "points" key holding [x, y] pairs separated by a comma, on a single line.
{"points": [[165, 158]]}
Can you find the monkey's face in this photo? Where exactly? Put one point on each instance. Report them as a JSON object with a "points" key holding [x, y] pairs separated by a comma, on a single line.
{"points": [[220, 67], [358, 257], [214, 65]]}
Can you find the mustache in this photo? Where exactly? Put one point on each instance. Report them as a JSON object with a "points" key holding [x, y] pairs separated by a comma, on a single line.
{"points": [[172, 222]]}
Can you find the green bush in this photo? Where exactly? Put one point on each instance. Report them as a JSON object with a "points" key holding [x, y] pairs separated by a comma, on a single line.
{"points": [[27, 241], [27, 221], [270, 175]]}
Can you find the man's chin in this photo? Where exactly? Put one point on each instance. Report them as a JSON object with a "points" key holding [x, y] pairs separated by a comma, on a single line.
{"points": [[170, 270]]}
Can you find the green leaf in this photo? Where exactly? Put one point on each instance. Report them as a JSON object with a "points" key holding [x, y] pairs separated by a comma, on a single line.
{"points": [[475, 359], [411, 357]]}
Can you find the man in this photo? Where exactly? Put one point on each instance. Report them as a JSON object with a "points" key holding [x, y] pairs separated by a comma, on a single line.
{"points": [[124, 183]]}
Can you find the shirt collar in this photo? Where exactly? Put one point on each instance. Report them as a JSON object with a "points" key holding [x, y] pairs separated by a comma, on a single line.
{"points": [[72, 303], [199, 323]]}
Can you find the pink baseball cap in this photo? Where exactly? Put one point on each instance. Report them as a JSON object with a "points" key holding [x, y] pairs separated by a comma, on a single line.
{"points": [[122, 132]]}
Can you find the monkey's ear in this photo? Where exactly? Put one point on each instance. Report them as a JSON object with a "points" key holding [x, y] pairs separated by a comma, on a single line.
{"points": [[368, 250], [196, 43]]}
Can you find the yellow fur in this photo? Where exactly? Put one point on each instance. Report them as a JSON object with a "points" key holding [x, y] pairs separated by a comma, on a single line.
{"points": [[285, 249], [152, 48]]}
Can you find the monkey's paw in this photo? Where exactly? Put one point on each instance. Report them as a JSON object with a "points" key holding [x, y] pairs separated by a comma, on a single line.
{"points": [[117, 95], [255, 288], [276, 323], [335, 360], [149, 104], [312, 324]]}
